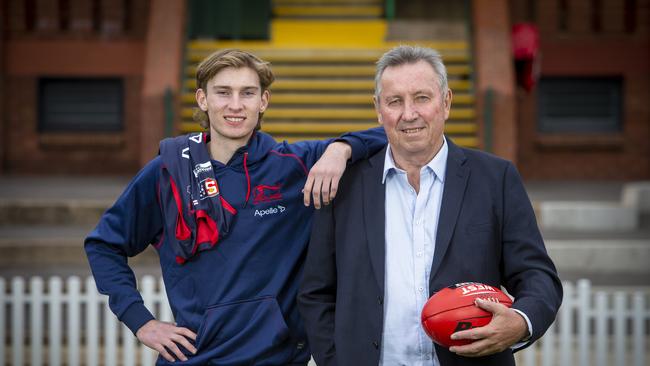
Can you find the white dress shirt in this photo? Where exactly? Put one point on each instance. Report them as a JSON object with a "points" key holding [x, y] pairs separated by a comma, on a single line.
{"points": [[411, 225]]}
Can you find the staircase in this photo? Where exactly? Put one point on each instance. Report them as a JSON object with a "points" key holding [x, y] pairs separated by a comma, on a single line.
{"points": [[323, 56]]}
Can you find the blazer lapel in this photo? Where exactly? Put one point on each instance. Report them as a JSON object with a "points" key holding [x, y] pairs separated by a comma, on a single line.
{"points": [[456, 178], [374, 207]]}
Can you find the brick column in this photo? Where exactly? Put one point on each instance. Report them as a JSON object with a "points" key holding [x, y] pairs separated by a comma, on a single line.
{"points": [[3, 143], [162, 67], [494, 70]]}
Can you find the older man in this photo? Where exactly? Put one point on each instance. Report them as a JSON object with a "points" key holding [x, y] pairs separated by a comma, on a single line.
{"points": [[418, 216]]}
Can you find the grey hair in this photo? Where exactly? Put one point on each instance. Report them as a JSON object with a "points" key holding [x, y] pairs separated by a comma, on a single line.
{"points": [[404, 54]]}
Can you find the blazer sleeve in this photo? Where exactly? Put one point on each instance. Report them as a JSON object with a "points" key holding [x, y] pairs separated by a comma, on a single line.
{"points": [[317, 294], [528, 272]]}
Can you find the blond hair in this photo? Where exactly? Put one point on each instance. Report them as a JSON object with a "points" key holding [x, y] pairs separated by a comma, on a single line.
{"points": [[222, 59]]}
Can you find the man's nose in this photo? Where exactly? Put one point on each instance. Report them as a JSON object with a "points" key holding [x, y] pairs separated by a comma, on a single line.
{"points": [[235, 103], [410, 112]]}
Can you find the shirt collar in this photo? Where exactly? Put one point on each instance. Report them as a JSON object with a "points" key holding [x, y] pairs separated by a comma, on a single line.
{"points": [[438, 164]]}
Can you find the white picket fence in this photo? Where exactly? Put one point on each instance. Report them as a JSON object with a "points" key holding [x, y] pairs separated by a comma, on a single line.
{"points": [[71, 325]]}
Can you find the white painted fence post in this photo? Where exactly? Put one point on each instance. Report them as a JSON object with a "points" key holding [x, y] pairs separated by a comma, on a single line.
{"points": [[548, 346], [165, 311], [74, 289], [529, 355], [54, 310], [565, 325], [36, 307], [128, 347], [620, 312], [601, 328], [3, 306], [17, 320], [92, 323], [584, 307], [639, 325], [148, 289], [110, 336]]}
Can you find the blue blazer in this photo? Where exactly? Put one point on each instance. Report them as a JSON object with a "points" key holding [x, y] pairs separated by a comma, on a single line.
{"points": [[487, 232]]}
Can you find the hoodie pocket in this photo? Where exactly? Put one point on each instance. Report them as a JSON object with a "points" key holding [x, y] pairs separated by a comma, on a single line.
{"points": [[242, 330]]}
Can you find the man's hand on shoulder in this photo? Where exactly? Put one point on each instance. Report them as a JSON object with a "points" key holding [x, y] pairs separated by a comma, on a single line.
{"points": [[506, 328], [324, 176], [165, 338]]}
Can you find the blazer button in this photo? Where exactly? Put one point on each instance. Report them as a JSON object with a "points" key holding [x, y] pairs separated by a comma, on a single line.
{"points": [[380, 301], [376, 344]]}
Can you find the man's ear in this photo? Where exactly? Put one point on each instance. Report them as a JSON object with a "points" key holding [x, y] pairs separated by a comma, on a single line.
{"points": [[447, 103], [376, 103], [201, 100], [266, 97], [448, 98]]}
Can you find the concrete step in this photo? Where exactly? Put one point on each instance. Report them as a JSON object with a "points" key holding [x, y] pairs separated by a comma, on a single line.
{"points": [[587, 216], [52, 249], [604, 261], [52, 211], [637, 195]]}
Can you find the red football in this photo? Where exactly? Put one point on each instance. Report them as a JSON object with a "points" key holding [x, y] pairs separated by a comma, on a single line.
{"points": [[452, 309]]}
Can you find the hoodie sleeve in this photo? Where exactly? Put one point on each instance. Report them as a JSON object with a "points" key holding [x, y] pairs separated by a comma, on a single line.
{"points": [[364, 144], [126, 229]]}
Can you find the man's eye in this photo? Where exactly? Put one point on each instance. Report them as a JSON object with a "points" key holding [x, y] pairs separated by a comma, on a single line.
{"points": [[222, 92], [249, 93], [422, 98], [394, 102]]}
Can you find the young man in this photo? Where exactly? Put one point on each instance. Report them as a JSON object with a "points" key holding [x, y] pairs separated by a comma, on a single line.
{"points": [[418, 216], [226, 213]]}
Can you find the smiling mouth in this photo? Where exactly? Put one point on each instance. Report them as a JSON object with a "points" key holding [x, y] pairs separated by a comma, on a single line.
{"points": [[409, 131], [234, 119]]}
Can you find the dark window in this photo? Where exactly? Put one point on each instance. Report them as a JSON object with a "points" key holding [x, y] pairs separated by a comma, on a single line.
{"points": [[580, 105], [80, 105]]}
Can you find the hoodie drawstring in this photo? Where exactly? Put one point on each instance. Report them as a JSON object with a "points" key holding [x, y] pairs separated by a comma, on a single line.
{"points": [[248, 179]]}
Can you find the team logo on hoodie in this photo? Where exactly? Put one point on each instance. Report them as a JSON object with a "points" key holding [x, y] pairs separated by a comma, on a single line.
{"points": [[266, 193], [202, 168]]}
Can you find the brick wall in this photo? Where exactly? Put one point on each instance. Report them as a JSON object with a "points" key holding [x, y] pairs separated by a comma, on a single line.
{"points": [[83, 39], [31, 152], [587, 38]]}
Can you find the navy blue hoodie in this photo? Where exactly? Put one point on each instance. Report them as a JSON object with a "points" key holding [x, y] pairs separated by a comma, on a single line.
{"points": [[239, 296]]}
